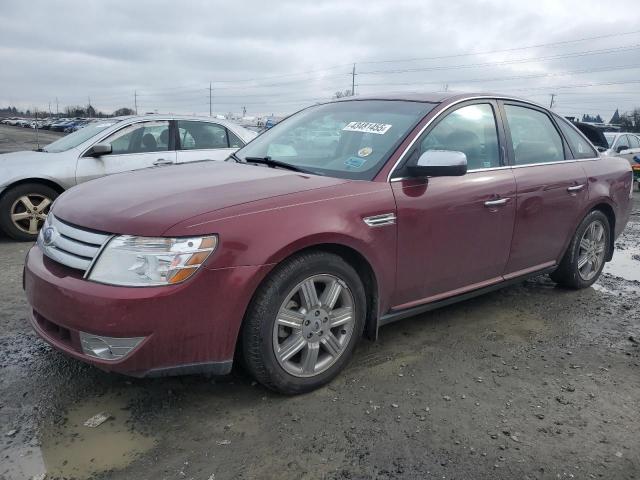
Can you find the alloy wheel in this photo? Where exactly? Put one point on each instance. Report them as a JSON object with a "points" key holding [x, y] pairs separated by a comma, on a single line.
{"points": [[591, 251], [29, 212], [314, 325]]}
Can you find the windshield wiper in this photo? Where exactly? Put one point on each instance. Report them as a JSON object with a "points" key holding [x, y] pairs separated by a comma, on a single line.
{"points": [[270, 162]]}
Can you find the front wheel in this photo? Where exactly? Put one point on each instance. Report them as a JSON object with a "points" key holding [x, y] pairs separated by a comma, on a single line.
{"points": [[584, 260], [304, 323], [24, 208]]}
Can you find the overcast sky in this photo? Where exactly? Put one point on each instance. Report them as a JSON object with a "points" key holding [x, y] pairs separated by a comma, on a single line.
{"points": [[278, 56]]}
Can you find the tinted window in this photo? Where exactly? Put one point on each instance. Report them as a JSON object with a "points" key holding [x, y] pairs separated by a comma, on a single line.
{"points": [[140, 138], [470, 130], [346, 139], [535, 139], [201, 135], [579, 145], [633, 141]]}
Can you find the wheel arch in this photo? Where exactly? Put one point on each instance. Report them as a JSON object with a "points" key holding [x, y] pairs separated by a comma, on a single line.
{"points": [[349, 254], [43, 181]]}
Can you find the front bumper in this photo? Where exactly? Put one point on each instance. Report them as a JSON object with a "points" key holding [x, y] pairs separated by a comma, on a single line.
{"points": [[187, 328]]}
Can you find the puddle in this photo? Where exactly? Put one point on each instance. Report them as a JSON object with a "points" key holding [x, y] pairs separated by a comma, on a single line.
{"points": [[625, 264], [72, 450]]}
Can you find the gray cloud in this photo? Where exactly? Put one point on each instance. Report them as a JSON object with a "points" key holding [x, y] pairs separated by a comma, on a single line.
{"points": [[280, 56]]}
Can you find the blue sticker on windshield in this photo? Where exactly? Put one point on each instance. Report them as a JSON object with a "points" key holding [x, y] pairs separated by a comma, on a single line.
{"points": [[354, 162]]}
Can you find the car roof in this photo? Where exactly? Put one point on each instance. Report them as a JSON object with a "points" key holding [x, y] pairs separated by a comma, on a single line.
{"points": [[435, 97]]}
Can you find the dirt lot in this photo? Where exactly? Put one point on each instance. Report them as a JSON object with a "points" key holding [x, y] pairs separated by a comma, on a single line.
{"points": [[13, 139], [529, 382]]}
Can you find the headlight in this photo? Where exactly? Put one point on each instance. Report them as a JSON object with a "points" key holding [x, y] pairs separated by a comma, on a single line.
{"points": [[146, 261]]}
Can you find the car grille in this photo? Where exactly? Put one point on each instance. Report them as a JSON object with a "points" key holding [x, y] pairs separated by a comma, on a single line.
{"points": [[69, 245]]}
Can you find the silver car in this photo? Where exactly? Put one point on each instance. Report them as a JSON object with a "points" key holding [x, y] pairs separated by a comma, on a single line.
{"points": [[31, 180], [622, 144]]}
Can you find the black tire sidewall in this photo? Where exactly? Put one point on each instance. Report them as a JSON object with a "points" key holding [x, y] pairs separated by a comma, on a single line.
{"points": [[280, 284], [574, 279], [7, 200]]}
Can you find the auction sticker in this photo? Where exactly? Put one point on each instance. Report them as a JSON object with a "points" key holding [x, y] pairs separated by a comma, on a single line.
{"points": [[367, 127]]}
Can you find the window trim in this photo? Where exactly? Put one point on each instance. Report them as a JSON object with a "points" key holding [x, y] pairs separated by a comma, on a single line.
{"points": [[397, 172], [511, 150]]}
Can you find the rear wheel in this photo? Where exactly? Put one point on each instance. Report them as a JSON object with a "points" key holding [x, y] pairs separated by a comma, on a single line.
{"points": [[304, 323], [585, 258], [24, 208]]}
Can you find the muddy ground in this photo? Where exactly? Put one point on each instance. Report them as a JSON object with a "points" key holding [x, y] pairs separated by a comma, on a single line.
{"points": [[530, 382]]}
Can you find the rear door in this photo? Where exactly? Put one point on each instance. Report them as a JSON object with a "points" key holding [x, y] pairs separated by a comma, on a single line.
{"points": [[133, 147], [454, 232], [551, 188], [201, 140]]}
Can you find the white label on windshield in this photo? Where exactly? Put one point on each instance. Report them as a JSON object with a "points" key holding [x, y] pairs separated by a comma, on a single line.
{"points": [[367, 127]]}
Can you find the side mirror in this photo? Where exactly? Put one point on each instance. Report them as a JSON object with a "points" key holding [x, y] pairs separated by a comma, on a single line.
{"points": [[98, 149], [439, 163], [621, 148]]}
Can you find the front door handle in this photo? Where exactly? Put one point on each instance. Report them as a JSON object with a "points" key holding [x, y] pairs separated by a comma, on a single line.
{"points": [[496, 203], [575, 188], [162, 161]]}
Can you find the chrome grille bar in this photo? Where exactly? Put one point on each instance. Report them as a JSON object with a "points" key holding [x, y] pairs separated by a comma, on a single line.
{"points": [[71, 246]]}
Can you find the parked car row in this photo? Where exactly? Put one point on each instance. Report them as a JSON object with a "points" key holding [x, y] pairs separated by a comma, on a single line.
{"points": [[66, 125], [342, 218]]}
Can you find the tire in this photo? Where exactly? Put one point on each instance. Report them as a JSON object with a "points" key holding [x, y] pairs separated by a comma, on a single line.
{"points": [[570, 273], [285, 298], [39, 196]]}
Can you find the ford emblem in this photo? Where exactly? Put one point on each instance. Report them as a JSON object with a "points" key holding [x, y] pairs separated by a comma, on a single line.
{"points": [[48, 235]]}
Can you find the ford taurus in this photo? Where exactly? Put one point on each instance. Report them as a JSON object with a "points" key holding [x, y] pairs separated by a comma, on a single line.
{"points": [[290, 252]]}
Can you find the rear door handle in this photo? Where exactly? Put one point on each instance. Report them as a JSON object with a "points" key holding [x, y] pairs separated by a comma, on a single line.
{"points": [[496, 203], [575, 188], [162, 161]]}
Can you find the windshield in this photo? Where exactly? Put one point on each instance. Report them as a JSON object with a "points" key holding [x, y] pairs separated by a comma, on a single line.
{"points": [[348, 139], [76, 138], [611, 137]]}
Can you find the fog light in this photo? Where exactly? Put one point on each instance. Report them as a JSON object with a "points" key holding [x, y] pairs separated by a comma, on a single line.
{"points": [[108, 348]]}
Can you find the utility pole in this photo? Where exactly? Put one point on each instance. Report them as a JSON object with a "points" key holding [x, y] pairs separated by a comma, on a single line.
{"points": [[135, 100], [88, 106], [57, 111], [553, 97], [210, 111], [353, 80], [49, 108], [37, 135]]}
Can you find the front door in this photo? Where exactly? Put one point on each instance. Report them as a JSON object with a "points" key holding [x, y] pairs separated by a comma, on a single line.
{"points": [[136, 146], [454, 232], [552, 189]]}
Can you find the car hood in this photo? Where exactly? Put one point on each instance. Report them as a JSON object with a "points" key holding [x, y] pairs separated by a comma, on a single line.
{"points": [[18, 165], [149, 202]]}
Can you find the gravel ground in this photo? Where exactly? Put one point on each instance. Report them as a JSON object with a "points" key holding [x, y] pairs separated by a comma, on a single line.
{"points": [[13, 139], [530, 382]]}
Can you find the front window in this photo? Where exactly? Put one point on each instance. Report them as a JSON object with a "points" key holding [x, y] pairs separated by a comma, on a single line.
{"points": [[348, 139], [76, 138], [140, 137]]}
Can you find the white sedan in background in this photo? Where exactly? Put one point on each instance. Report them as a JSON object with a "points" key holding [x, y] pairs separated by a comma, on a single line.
{"points": [[31, 180]]}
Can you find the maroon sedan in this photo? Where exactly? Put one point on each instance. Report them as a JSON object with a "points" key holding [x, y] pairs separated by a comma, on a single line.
{"points": [[343, 218]]}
